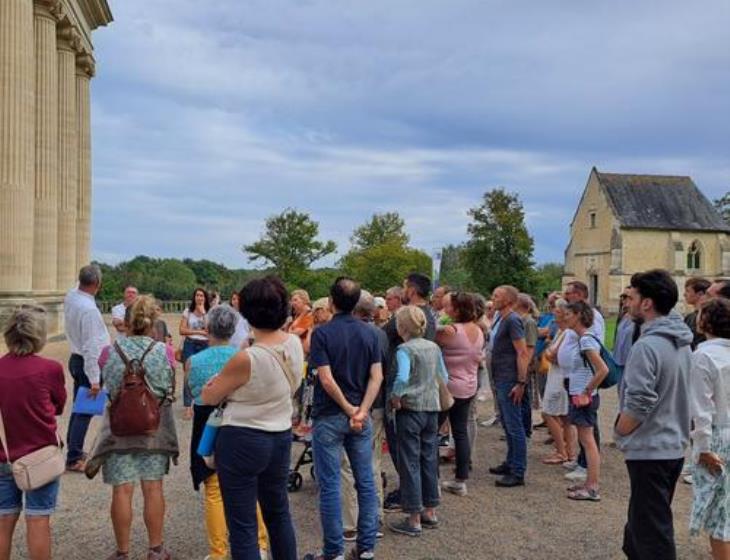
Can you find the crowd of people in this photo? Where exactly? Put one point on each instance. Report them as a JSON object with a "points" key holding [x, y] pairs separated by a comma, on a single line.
{"points": [[408, 368]]}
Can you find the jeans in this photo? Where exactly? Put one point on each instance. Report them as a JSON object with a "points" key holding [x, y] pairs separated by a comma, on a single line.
{"points": [[330, 435], [78, 424], [526, 407], [649, 530], [191, 347], [349, 493], [254, 465], [392, 438], [458, 418], [418, 460], [514, 429], [38, 503]]}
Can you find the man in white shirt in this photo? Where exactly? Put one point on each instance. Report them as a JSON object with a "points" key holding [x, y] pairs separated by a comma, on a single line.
{"points": [[87, 335], [119, 311]]}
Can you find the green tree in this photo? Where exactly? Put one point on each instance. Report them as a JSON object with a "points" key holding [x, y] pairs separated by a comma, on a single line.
{"points": [[722, 205], [289, 243], [500, 248], [388, 227], [173, 280], [381, 266], [548, 278], [453, 268]]}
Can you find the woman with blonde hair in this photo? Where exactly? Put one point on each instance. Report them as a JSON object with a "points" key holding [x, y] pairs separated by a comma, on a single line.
{"points": [[415, 398], [303, 321], [144, 459], [32, 394]]}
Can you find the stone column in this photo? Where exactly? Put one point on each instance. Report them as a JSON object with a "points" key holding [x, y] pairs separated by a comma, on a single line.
{"points": [[67, 157], [17, 117], [45, 245], [84, 73]]}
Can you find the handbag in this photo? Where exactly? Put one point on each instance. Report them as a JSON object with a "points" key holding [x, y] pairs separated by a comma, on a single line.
{"points": [[36, 469], [446, 399]]}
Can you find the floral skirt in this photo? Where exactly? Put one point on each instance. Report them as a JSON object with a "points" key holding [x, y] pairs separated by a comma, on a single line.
{"points": [[711, 504], [123, 468]]}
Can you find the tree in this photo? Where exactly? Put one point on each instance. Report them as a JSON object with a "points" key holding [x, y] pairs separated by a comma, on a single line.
{"points": [[290, 244], [453, 268], [722, 205], [382, 228], [500, 248], [380, 267], [548, 278]]}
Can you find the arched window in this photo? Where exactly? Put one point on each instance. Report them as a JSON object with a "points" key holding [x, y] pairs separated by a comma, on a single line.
{"points": [[694, 257]]}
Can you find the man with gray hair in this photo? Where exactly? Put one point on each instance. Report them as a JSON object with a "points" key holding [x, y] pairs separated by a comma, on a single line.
{"points": [[365, 311], [87, 335]]}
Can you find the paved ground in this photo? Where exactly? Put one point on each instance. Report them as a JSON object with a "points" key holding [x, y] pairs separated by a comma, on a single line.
{"points": [[533, 522]]}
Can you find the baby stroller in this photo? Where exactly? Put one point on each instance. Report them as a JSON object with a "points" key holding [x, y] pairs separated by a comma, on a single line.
{"points": [[302, 433]]}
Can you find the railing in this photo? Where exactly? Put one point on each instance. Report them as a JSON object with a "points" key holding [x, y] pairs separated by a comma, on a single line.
{"points": [[176, 306]]}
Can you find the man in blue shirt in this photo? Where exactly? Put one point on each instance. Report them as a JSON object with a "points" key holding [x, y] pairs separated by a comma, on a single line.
{"points": [[347, 355]]}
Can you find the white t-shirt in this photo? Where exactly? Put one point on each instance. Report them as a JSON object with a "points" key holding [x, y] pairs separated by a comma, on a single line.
{"points": [[241, 333], [196, 323], [118, 313]]}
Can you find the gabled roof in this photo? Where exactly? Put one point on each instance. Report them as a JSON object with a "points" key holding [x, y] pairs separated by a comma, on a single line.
{"points": [[659, 202]]}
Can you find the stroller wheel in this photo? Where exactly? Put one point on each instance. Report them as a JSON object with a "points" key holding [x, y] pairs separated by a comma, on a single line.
{"points": [[311, 472], [295, 481]]}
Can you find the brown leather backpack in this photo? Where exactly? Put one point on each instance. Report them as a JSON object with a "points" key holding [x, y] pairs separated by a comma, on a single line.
{"points": [[135, 411]]}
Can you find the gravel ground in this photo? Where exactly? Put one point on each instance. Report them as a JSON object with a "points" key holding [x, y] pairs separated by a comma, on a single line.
{"points": [[535, 521]]}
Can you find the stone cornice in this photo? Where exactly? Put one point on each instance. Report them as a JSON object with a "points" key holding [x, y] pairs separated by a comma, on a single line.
{"points": [[96, 12]]}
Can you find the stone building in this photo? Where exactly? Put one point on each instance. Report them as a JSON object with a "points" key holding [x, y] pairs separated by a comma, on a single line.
{"points": [[630, 223], [46, 65]]}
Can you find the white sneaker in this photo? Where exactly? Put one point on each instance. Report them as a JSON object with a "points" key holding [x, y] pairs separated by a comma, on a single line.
{"points": [[489, 422], [570, 465], [458, 488], [577, 474], [687, 479]]}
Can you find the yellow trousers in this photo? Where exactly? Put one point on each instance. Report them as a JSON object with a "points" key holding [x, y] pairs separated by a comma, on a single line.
{"points": [[215, 521]]}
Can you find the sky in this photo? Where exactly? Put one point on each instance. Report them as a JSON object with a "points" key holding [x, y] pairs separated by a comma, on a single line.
{"points": [[208, 117]]}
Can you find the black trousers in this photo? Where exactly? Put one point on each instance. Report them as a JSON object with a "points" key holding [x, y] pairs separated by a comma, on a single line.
{"points": [[458, 416], [649, 531]]}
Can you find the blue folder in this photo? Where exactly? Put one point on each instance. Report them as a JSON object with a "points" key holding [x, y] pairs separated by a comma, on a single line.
{"points": [[86, 404]]}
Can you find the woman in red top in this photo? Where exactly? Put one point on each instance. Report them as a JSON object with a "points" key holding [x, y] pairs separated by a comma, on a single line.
{"points": [[32, 394]]}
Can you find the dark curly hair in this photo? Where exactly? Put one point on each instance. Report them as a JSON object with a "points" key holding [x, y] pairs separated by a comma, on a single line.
{"points": [[714, 318], [464, 306], [264, 303], [584, 312]]}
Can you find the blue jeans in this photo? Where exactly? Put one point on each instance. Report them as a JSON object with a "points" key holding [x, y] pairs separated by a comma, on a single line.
{"points": [[514, 429], [78, 424], [527, 410], [254, 465], [330, 435], [38, 502], [418, 460]]}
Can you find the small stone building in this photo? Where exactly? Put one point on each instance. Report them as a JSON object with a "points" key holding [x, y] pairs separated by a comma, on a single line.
{"points": [[630, 223]]}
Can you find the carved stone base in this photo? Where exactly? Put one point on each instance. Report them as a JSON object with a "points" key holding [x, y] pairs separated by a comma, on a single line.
{"points": [[52, 302]]}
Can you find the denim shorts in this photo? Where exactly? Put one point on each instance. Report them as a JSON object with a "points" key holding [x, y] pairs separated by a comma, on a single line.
{"points": [[584, 416], [39, 502]]}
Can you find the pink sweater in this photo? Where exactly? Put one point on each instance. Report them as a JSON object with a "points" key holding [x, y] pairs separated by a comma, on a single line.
{"points": [[462, 358]]}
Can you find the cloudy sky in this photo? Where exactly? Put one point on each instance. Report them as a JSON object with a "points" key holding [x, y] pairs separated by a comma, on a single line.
{"points": [[210, 116]]}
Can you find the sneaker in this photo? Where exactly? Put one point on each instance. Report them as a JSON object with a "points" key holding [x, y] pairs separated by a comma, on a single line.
{"points": [[509, 481], [349, 536], [444, 440], [500, 469], [163, 554], [391, 503], [570, 465], [687, 479], [355, 555], [455, 487], [429, 522], [320, 556], [402, 527], [493, 421], [578, 473]]}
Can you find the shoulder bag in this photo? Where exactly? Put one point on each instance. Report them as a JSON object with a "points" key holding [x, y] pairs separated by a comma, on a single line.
{"points": [[36, 469]]}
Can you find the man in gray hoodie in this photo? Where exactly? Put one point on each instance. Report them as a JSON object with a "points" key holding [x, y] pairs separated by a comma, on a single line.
{"points": [[652, 429]]}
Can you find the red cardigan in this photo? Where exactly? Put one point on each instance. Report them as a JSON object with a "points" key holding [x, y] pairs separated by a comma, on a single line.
{"points": [[32, 394]]}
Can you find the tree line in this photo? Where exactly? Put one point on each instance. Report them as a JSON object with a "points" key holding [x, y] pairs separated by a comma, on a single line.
{"points": [[498, 250]]}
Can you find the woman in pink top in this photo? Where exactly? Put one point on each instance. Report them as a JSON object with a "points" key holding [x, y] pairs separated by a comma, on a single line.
{"points": [[462, 344]]}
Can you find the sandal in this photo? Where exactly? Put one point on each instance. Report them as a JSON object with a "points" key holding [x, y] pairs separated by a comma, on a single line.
{"points": [[554, 459], [585, 495], [574, 487]]}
